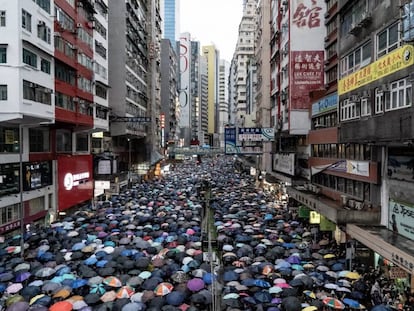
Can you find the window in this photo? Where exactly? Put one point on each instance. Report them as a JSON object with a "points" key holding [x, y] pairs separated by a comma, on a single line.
{"points": [[3, 92], [350, 109], [9, 214], [64, 101], [82, 142], [65, 73], [379, 101], [45, 66], [365, 107], [39, 139], [100, 91], [29, 58], [44, 4], [388, 40], [37, 93], [3, 54], [64, 20], [43, 32], [2, 18], [9, 139], [65, 47], [357, 59], [26, 20], [400, 95], [63, 141], [408, 21]]}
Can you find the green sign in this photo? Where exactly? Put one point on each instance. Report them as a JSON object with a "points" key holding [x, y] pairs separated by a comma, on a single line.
{"points": [[304, 212]]}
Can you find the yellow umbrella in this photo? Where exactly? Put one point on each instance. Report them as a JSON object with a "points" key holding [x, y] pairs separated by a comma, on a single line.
{"points": [[310, 294], [353, 275], [329, 256], [310, 308]]}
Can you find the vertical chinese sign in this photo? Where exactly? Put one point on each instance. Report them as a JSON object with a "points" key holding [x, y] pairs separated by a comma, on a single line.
{"points": [[307, 50], [184, 91]]}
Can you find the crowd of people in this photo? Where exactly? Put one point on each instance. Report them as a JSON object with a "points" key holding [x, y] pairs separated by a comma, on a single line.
{"points": [[201, 237]]}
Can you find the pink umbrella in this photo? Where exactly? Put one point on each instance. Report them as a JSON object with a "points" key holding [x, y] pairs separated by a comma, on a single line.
{"points": [[195, 284]]}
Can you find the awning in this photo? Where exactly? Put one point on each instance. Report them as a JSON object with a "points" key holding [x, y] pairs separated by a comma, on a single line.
{"points": [[271, 179], [394, 247], [156, 157]]}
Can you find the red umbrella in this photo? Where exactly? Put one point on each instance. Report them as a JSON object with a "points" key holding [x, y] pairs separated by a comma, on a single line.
{"points": [[333, 303], [61, 306]]}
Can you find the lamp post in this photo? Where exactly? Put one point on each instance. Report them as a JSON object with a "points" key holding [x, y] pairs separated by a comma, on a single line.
{"points": [[129, 162], [22, 227]]}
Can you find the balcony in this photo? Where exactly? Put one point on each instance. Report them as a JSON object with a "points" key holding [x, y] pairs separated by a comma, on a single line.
{"points": [[351, 212]]}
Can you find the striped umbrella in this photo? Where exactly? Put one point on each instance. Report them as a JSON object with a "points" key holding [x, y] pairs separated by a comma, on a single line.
{"points": [[333, 303], [163, 289]]}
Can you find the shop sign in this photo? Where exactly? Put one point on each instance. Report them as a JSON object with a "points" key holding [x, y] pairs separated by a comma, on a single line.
{"points": [[392, 62], [401, 219], [402, 261], [326, 224], [284, 162], [73, 180], [102, 184], [9, 227], [315, 218], [397, 273], [256, 134], [325, 104]]}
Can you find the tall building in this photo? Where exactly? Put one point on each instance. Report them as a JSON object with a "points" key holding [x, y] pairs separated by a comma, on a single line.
{"points": [[212, 57], [169, 94], [223, 99], [134, 29], [52, 105], [244, 51], [170, 12], [262, 87]]}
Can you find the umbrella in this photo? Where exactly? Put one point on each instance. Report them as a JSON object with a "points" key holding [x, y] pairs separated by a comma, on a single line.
{"points": [[309, 294], [14, 288], [195, 284], [61, 306], [354, 304], [18, 306], [112, 281], [108, 296], [310, 308], [22, 276], [262, 296], [291, 304], [97, 289], [175, 298], [45, 272], [163, 289], [333, 303], [352, 275], [125, 292]]}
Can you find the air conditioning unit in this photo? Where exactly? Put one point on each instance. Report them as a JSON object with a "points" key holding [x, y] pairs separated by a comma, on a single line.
{"points": [[354, 29], [359, 205], [57, 34], [41, 23], [79, 25]]}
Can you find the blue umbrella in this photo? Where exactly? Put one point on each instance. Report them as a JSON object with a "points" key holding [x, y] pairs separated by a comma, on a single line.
{"points": [[90, 261], [78, 246], [262, 296], [230, 276], [175, 298], [63, 270], [79, 283], [337, 267], [101, 263], [352, 303], [98, 289]]}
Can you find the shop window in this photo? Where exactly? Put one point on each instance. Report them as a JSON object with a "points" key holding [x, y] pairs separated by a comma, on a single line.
{"points": [[10, 213], [9, 178], [63, 141], [37, 175], [9, 139]]}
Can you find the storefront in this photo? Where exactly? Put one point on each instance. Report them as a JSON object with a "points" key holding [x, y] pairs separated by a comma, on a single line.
{"points": [[395, 249], [75, 180]]}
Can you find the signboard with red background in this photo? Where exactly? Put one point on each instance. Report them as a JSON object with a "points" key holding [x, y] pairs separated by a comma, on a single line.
{"points": [[307, 50], [75, 180]]}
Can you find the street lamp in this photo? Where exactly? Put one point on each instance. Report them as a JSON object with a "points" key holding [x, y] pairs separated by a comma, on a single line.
{"points": [[129, 161]]}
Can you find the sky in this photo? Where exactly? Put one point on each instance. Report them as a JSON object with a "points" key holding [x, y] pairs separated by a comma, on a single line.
{"points": [[212, 22]]}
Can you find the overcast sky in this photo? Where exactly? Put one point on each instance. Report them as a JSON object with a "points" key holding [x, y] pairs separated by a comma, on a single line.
{"points": [[212, 22]]}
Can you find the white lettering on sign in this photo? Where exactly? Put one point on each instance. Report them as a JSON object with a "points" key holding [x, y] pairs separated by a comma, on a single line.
{"points": [[72, 180]]}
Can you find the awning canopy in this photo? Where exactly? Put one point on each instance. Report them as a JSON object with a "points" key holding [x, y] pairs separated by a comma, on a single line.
{"points": [[392, 246], [155, 157]]}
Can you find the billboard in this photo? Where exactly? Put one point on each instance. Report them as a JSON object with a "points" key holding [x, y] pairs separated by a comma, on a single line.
{"points": [[307, 50], [401, 218], [75, 180], [184, 90], [246, 140], [392, 62]]}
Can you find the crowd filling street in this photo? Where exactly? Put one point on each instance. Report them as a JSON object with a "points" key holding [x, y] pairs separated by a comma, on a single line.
{"points": [[203, 236]]}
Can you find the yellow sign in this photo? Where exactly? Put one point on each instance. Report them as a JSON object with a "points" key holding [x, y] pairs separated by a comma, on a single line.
{"points": [[9, 137], [386, 65], [314, 218]]}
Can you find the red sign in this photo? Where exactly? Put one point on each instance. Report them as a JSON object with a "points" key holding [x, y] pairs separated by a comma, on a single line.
{"points": [[306, 75], [75, 180], [307, 17]]}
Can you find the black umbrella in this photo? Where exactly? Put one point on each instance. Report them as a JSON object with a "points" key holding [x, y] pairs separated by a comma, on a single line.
{"points": [[291, 304]]}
